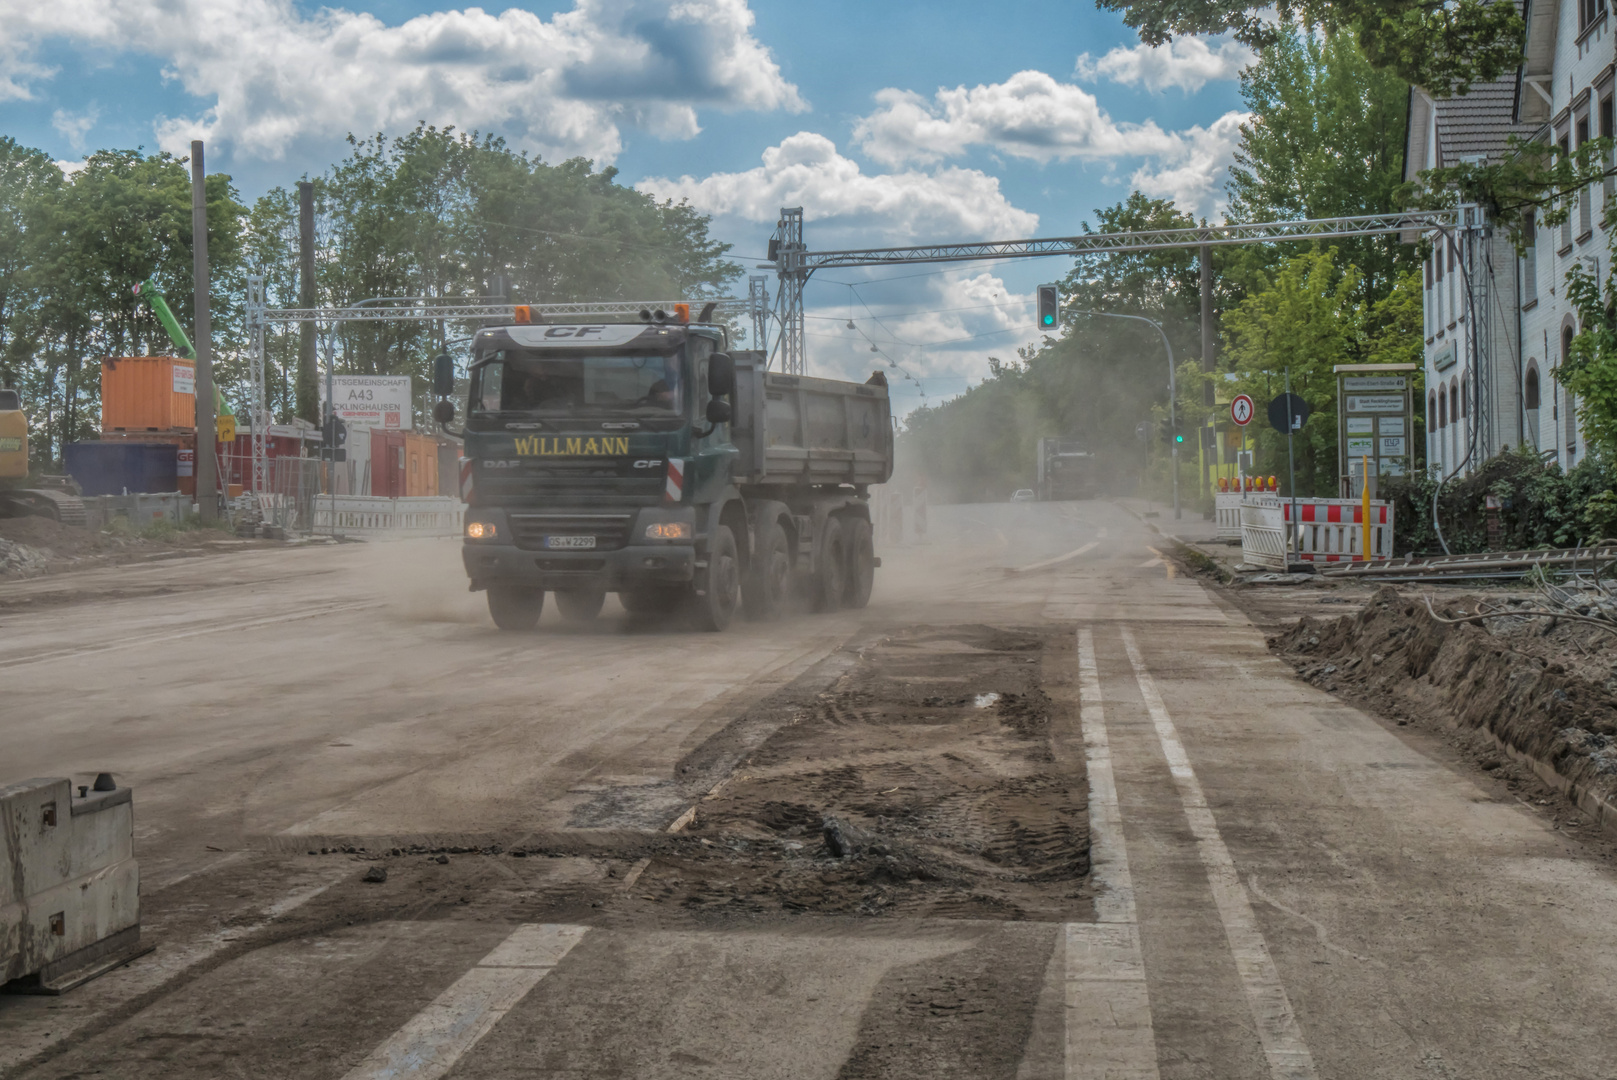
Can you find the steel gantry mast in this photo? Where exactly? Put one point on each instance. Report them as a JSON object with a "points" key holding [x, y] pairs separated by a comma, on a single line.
{"points": [[794, 263]]}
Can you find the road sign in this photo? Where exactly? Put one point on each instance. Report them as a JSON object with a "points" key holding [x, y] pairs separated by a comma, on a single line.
{"points": [[1241, 410], [1288, 413]]}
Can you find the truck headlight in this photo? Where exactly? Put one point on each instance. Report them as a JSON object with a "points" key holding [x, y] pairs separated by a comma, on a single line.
{"points": [[480, 530], [668, 530]]}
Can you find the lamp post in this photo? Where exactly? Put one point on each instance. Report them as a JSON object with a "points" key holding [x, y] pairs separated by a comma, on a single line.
{"points": [[1173, 395]]}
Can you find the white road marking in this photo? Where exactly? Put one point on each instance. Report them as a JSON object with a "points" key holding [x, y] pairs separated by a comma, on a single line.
{"points": [[1059, 559], [28, 1037], [1109, 1030], [1276, 1024], [429, 1045]]}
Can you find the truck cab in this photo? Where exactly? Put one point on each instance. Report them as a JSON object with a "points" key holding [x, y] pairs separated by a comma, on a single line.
{"points": [[635, 458]]}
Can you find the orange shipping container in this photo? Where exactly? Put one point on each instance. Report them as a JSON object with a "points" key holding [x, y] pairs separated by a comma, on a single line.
{"points": [[148, 393]]}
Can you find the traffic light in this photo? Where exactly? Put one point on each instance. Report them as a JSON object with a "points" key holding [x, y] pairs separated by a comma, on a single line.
{"points": [[334, 439], [1171, 435], [1049, 306]]}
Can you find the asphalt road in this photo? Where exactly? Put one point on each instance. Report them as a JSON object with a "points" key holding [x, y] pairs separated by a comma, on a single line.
{"points": [[1281, 886]]}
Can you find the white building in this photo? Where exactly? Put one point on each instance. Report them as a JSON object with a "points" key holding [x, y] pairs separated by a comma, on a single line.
{"points": [[1489, 380]]}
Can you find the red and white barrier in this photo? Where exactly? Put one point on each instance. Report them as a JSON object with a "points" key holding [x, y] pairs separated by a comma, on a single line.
{"points": [[675, 490], [1326, 530]]}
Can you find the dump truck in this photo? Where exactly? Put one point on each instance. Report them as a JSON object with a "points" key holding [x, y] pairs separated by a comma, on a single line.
{"points": [[1066, 470], [18, 496], [647, 459]]}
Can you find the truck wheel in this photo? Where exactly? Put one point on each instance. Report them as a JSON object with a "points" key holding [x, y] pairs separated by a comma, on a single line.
{"points": [[579, 605], [515, 607], [861, 563], [832, 581], [720, 583], [769, 579]]}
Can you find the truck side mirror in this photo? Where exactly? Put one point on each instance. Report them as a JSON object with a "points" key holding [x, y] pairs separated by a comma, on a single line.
{"points": [[718, 411], [443, 375], [721, 375], [444, 412]]}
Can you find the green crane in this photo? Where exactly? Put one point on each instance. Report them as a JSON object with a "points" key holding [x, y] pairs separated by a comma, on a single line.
{"points": [[148, 292]]}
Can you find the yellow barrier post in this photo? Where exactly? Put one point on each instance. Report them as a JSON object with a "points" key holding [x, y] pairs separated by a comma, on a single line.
{"points": [[1365, 475]]}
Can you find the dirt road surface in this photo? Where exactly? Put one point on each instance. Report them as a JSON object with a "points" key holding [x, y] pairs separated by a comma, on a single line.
{"points": [[1081, 824]]}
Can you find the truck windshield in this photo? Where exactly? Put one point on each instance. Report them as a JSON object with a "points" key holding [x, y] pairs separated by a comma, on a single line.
{"points": [[517, 381]]}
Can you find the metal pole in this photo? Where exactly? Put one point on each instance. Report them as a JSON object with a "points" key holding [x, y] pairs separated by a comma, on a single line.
{"points": [[207, 475], [1173, 394], [1208, 396], [1291, 466], [328, 413]]}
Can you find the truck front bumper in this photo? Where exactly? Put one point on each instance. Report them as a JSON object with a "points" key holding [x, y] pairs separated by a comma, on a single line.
{"points": [[626, 569]]}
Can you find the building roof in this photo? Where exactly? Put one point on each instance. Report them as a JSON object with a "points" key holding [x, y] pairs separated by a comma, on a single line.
{"points": [[1480, 122]]}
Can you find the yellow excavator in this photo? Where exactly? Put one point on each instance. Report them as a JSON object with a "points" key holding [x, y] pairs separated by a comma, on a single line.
{"points": [[17, 498]]}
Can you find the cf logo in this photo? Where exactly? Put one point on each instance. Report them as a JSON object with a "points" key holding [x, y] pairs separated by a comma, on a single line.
{"points": [[648, 463]]}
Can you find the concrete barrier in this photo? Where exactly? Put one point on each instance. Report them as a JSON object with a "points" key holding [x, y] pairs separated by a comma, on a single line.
{"points": [[69, 885]]}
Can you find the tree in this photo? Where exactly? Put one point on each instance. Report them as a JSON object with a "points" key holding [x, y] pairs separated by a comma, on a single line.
{"points": [[1590, 369], [1309, 320], [1326, 139], [1444, 46]]}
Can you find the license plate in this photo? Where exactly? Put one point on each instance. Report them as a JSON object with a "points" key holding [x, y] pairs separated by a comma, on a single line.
{"points": [[574, 542]]}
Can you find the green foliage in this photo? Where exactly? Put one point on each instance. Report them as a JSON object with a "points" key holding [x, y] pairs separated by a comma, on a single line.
{"points": [[1590, 369], [430, 213], [1445, 46], [1542, 505], [1326, 139], [1532, 180]]}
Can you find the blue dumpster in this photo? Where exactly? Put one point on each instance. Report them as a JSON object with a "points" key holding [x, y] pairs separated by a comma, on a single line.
{"points": [[122, 468]]}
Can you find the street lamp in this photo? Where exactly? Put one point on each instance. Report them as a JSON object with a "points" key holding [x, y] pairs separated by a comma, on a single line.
{"points": [[1173, 395]]}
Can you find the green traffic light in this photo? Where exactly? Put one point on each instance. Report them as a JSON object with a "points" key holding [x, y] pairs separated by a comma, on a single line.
{"points": [[1049, 320], [1178, 438]]}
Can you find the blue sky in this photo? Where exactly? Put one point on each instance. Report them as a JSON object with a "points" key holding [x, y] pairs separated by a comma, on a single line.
{"points": [[893, 122]]}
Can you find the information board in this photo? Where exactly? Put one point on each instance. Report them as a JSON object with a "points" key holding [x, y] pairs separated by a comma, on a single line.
{"points": [[1374, 411], [381, 401]]}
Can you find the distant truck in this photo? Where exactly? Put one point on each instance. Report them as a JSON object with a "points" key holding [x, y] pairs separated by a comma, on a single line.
{"points": [[1066, 470], [648, 460]]}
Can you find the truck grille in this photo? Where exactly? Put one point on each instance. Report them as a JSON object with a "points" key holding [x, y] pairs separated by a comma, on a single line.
{"points": [[611, 531]]}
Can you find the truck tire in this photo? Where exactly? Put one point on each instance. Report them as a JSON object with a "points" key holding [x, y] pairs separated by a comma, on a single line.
{"points": [[831, 582], [580, 605], [861, 563], [716, 593], [769, 580], [515, 607]]}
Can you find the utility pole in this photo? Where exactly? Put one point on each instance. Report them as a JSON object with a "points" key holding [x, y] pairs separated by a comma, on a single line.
{"points": [[1208, 396], [207, 462], [308, 388]]}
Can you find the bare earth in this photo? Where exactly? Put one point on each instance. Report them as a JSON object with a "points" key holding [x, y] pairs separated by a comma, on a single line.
{"points": [[1089, 826]]}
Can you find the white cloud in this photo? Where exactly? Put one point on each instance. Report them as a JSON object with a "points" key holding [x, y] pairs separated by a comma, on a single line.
{"points": [[563, 87], [937, 333], [806, 170], [1036, 117], [75, 126], [70, 167], [1030, 115], [1194, 176], [1188, 63]]}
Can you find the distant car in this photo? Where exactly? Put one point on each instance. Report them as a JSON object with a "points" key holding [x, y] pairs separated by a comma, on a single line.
{"points": [[1022, 495]]}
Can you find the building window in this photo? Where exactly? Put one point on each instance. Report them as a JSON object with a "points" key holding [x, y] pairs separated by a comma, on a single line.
{"points": [[1566, 226], [1454, 401], [1585, 195], [1589, 11], [1437, 262], [1427, 301], [1442, 411], [1609, 182], [1530, 259], [1530, 390]]}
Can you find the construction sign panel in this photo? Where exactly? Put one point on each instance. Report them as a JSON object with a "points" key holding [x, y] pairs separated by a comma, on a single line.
{"points": [[372, 401], [1375, 417]]}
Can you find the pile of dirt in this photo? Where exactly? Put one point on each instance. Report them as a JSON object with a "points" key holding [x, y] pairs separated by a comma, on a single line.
{"points": [[1544, 689], [923, 783]]}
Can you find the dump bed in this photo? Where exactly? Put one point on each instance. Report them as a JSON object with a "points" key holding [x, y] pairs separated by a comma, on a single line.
{"points": [[792, 429]]}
